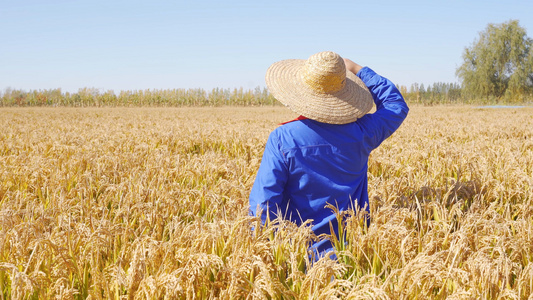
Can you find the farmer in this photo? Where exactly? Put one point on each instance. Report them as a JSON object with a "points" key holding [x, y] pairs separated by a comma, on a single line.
{"points": [[321, 157]]}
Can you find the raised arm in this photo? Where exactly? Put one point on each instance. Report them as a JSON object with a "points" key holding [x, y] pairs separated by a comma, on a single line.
{"points": [[391, 108]]}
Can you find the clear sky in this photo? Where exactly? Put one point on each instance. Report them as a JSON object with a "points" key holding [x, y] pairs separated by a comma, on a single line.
{"points": [[134, 45]]}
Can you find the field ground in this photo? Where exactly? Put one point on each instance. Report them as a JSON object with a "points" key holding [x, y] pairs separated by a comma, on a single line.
{"points": [[152, 203]]}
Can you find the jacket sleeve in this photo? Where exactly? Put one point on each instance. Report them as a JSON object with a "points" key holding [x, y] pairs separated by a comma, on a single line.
{"points": [[391, 109], [267, 191]]}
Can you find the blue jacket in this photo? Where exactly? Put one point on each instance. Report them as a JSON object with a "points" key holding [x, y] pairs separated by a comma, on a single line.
{"points": [[308, 164]]}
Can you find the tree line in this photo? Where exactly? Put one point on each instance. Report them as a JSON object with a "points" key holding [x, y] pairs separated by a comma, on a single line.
{"points": [[499, 64], [437, 93], [164, 97], [496, 68]]}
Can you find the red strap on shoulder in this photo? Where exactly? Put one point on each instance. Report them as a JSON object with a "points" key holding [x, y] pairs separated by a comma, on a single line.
{"points": [[297, 119]]}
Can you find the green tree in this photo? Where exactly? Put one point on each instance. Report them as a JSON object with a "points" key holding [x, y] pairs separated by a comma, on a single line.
{"points": [[499, 64]]}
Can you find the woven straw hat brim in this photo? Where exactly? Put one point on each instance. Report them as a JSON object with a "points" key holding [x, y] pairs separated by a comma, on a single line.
{"points": [[345, 106]]}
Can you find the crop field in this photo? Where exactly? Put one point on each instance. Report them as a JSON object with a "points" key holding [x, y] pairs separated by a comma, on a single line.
{"points": [[152, 203]]}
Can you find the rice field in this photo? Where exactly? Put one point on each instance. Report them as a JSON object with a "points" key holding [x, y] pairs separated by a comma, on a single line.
{"points": [[151, 203]]}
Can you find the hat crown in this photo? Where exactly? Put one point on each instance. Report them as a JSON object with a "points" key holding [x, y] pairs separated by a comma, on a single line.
{"points": [[324, 72]]}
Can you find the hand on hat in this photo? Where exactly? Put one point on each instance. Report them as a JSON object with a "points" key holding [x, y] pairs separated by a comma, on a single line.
{"points": [[351, 66]]}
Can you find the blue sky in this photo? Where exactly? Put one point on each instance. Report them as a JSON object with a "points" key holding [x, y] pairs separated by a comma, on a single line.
{"points": [[135, 45]]}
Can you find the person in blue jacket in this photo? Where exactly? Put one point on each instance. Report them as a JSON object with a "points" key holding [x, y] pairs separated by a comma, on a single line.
{"points": [[321, 157]]}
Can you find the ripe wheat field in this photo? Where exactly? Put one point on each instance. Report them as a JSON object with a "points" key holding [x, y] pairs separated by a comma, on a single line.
{"points": [[151, 203]]}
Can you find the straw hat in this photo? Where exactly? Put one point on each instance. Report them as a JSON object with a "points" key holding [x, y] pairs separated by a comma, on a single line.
{"points": [[319, 88]]}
